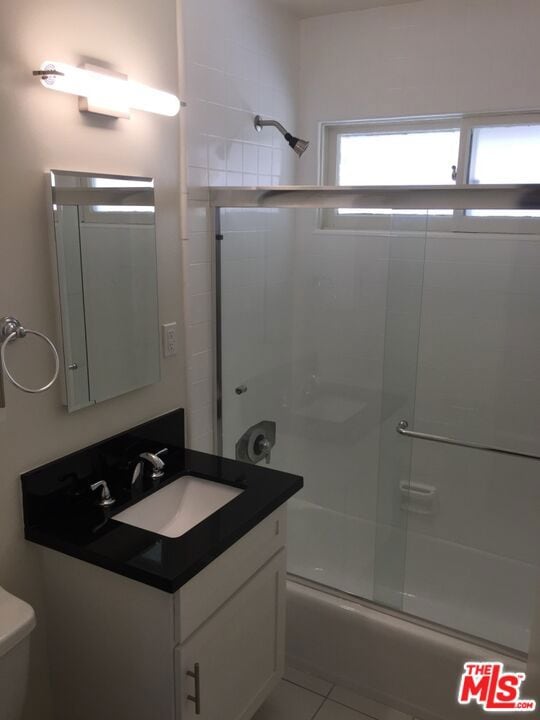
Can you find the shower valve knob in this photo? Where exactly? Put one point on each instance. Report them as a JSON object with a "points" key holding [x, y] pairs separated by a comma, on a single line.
{"points": [[264, 446], [256, 443]]}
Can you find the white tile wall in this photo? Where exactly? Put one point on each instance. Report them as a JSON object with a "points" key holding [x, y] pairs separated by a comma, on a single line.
{"points": [[474, 591], [338, 344], [428, 57], [241, 59], [479, 352]]}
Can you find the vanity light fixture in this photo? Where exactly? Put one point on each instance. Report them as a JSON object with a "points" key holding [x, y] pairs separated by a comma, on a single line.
{"points": [[105, 92]]}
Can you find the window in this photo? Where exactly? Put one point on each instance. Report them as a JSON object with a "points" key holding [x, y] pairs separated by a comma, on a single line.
{"points": [[508, 155], [486, 150], [398, 158]]}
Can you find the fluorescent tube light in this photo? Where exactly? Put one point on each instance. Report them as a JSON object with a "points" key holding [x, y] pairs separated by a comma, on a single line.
{"points": [[106, 93]]}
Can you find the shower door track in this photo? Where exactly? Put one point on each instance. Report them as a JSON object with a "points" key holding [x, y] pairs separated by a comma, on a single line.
{"points": [[408, 617], [455, 197]]}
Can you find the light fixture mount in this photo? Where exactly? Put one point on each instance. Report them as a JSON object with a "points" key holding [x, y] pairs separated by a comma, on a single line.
{"points": [[48, 75], [106, 103]]}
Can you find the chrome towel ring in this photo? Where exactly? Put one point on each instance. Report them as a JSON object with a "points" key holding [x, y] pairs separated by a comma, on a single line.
{"points": [[10, 330]]}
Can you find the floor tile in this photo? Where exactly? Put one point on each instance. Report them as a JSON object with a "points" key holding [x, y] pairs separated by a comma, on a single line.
{"points": [[290, 702], [334, 711], [365, 705], [310, 682]]}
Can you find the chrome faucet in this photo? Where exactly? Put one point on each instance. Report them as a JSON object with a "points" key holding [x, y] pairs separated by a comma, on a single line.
{"points": [[157, 464], [106, 499]]}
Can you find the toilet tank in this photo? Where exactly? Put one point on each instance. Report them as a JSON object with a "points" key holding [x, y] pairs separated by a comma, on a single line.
{"points": [[17, 620]]}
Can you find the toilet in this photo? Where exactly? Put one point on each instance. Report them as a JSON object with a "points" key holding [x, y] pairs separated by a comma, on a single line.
{"points": [[17, 620]]}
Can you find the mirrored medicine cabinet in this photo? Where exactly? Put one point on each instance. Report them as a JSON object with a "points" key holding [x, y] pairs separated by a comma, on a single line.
{"points": [[104, 239]]}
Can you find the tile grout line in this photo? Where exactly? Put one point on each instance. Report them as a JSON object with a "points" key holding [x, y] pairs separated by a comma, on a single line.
{"points": [[362, 712], [323, 695], [303, 687], [356, 710], [326, 697], [324, 701]]}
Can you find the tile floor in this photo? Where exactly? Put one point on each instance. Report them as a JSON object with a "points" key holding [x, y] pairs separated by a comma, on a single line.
{"points": [[304, 697]]}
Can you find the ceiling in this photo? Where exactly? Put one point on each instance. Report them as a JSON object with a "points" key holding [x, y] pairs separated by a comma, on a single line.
{"points": [[311, 8]]}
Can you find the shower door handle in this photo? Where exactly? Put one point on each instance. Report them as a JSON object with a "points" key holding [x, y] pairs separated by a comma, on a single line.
{"points": [[403, 429]]}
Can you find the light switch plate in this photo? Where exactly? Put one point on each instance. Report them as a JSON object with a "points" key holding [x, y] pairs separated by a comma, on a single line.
{"points": [[170, 340]]}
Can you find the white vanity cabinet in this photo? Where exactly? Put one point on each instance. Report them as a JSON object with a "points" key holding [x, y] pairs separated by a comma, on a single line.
{"points": [[230, 664], [213, 650]]}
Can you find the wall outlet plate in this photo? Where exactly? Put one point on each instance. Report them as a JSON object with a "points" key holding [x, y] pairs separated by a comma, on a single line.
{"points": [[170, 339]]}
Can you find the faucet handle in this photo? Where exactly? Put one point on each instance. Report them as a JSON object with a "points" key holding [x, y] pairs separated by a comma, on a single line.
{"points": [[138, 472], [106, 499], [155, 461]]}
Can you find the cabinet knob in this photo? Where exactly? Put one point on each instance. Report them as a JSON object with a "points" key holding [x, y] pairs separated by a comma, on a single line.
{"points": [[196, 675]]}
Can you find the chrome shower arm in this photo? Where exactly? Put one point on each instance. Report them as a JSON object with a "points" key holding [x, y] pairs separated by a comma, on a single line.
{"points": [[297, 144], [260, 123]]}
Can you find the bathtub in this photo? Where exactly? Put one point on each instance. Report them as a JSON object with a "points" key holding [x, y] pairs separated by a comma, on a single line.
{"points": [[382, 655]]}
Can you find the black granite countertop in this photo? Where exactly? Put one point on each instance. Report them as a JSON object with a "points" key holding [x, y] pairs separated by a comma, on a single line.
{"points": [[61, 513]]}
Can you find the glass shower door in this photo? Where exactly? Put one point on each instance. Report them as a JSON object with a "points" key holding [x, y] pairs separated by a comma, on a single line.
{"points": [[473, 536], [255, 268], [319, 338], [395, 496], [330, 340]]}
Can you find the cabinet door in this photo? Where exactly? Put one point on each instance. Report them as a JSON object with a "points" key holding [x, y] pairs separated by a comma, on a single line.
{"points": [[239, 651]]}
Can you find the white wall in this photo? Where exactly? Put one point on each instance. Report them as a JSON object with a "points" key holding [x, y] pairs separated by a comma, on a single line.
{"points": [[241, 60], [430, 57], [41, 130]]}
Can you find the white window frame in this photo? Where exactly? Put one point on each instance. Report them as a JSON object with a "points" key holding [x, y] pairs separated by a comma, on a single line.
{"points": [[459, 221]]}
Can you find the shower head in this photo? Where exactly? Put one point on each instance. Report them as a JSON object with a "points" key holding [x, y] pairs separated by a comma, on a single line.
{"points": [[297, 144]]}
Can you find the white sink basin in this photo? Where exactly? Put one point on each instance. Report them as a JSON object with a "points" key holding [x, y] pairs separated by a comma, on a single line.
{"points": [[178, 507]]}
